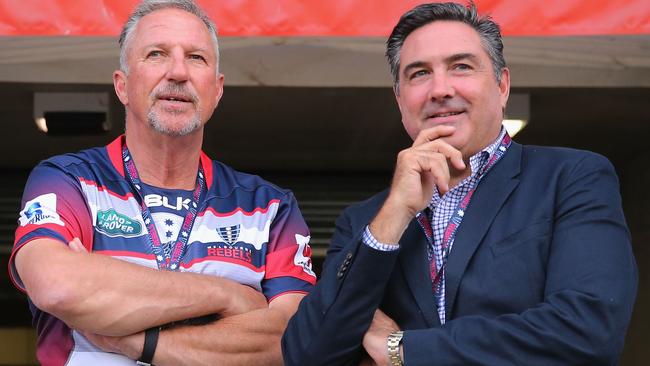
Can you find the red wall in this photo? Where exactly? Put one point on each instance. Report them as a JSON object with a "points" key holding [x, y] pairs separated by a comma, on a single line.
{"points": [[328, 17]]}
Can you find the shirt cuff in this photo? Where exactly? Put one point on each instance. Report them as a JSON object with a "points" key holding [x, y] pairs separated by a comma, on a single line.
{"points": [[370, 241]]}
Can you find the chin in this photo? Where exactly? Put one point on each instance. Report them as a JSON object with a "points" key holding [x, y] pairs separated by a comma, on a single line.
{"points": [[174, 128], [455, 140]]}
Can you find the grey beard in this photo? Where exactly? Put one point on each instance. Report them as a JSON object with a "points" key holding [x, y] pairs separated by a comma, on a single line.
{"points": [[191, 125]]}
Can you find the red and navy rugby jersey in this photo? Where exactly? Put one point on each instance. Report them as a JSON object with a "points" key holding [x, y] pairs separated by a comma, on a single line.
{"points": [[247, 230]]}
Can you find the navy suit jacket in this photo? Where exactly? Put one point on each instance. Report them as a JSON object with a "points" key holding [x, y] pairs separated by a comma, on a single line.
{"points": [[541, 273]]}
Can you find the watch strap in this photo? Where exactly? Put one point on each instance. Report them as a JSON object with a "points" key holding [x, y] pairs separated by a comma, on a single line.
{"points": [[149, 348], [393, 342]]}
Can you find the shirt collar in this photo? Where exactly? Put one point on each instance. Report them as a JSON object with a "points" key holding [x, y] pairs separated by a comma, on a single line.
{"points": [[479, 159], [114, 150]]}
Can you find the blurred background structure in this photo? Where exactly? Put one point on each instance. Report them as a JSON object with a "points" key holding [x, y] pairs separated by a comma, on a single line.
{"points": [[308, 104]]}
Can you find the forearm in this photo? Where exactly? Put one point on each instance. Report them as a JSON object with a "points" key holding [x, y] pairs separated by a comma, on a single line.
{"points": [[246, 339], [348, 302], [390, 223], [112, 297], [544, 335]]}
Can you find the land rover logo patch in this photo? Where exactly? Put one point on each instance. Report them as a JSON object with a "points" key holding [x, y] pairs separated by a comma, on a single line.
{"points": [[113, 223]]}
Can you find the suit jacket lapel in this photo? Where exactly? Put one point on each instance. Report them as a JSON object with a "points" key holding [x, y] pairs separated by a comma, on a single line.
{"points": [[415, 267], [490, 195]]}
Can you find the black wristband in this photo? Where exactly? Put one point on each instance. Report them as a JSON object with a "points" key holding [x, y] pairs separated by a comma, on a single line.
{"points": [[149, 348]]}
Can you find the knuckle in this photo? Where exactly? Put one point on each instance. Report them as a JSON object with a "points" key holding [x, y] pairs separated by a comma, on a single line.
{"points": [[404, 154], [439, 156]]}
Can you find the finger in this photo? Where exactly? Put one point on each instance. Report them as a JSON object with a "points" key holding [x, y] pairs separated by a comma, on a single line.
{"points": [[431, 167], [441, 176], [380, 316], [453, 154], [433, 133], [435, 170], [72, 244], [76, 245]]}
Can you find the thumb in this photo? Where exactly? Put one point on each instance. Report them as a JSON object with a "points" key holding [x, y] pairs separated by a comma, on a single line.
{"points": [[76, 245]]}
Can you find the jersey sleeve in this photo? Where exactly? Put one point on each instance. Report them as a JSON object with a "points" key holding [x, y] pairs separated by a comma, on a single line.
{"points": [[288, 260], [52, 206]]}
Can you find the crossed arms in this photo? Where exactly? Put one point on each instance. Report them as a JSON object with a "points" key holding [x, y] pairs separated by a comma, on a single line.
{"points": [[113, 302]]}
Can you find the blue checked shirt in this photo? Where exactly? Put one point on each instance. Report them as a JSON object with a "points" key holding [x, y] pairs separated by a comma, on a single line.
{"points": [[440, 210]]}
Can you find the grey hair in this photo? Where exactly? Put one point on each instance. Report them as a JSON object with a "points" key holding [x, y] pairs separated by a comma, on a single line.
{"points": [[149, 6], [421, 15]]}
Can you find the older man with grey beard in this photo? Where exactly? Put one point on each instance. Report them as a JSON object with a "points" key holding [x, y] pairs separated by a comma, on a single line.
{"points": [[146, 249]]}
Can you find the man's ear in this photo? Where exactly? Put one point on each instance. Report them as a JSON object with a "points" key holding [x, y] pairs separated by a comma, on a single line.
{"points": [[119, 83], [504, 87], [398, 99], [219, 81]]}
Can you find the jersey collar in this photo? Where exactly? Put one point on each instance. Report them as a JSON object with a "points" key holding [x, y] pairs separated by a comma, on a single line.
{"points": [[114, 150]]}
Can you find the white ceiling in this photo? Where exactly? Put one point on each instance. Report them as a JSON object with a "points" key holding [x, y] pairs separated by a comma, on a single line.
{"points": [[596, 61]]}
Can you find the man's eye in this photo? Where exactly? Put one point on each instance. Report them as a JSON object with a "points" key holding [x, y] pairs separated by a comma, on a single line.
{"points": [[418, 74], [197, 57], [462, 67], [155, 53]]}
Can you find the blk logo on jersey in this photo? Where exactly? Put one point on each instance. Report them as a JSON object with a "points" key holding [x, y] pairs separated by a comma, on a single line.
{"points": [[113, 223], [229, 234], [40, 210], [155, 200]]}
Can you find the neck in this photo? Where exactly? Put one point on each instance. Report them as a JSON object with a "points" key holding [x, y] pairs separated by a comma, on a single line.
{"points": [[164, 161]]}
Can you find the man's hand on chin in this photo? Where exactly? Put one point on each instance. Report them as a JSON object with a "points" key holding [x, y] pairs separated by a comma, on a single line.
{"points": [[418, 171]]}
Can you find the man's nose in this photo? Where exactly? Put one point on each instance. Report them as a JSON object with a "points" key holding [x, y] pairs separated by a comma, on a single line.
{"points": [[178, 70], [441, 87]]}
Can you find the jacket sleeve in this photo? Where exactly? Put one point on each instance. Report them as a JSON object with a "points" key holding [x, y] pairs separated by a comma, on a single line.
{"points": [[330, 323], [591, 281]]}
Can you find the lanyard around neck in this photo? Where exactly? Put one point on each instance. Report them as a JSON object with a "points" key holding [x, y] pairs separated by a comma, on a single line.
{"points": [[459, 213], [172, 260]]}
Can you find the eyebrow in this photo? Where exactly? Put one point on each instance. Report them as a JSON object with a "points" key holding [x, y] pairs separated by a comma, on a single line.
{"points": [[463, 56], [165, 45]]}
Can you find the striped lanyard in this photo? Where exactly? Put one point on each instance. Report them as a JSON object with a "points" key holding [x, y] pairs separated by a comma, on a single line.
{"points": [[456, 219], [172, 260]]}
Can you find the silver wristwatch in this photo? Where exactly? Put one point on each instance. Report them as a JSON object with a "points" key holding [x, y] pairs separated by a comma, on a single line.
{"points": [[393, 342]]}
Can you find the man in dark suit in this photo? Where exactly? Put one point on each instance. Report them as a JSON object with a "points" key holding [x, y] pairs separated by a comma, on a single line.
{"points": [[483, 251]]}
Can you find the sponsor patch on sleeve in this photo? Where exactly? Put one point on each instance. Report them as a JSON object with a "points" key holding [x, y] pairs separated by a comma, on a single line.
{"points": [[303, 254], [40, 210]]}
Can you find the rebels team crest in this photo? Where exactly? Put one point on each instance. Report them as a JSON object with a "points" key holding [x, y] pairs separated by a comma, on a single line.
{"points": [[229, 234]]}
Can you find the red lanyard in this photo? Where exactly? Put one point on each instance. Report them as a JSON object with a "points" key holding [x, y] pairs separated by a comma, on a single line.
{"points": [[457, 217], [172, 260]]}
